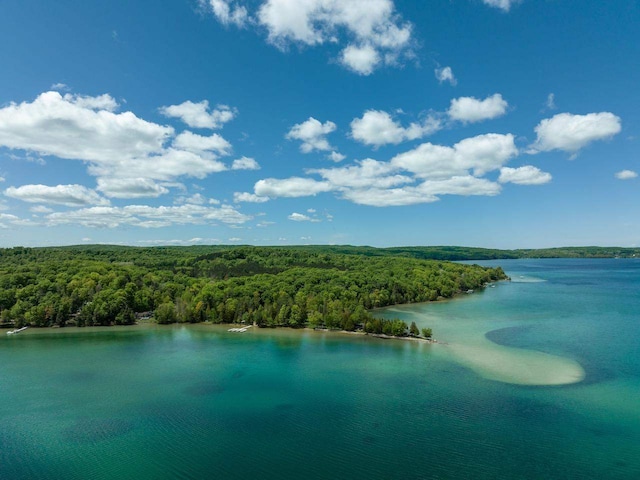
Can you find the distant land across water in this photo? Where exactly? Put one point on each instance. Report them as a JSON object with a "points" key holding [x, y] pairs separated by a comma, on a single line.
{"points": [[441, 252]]}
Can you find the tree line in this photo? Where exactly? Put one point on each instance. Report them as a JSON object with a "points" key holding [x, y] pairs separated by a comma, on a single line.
{"points": [[265, 286]]}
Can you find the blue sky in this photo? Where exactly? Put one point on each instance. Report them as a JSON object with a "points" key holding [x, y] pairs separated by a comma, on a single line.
{"points": [[492, 123]]}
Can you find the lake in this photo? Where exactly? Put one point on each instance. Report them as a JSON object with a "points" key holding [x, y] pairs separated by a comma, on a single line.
{"points": [[534, 378]]}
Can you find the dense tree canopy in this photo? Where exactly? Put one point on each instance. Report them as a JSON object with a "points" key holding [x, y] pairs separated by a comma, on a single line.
{"points": [[106, 285]]}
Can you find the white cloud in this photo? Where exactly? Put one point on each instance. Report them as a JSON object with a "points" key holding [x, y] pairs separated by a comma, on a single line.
{"points": [[14, 220], [197, 115], [336, 156], [113, 145], [460, 185], [480, 154], [445, 74], [59, 86], [147, 217], [228, 12], [248, 197], [290, 187], [2, 179], [191, 241], [167, 166], [300, 217], [393, 197], [8, 217], [198, 144], [195, 199], [101, 102], [378, 128], [362, 59], [53, 125], [551, 102], [366, 174], [245, 163], [571, 133], [442, 170], [264, 224], [68, 195], [504, 5], [526, 175], [626, 175], [312, 134], [374, 34], [427, 192], [470, 109], [40, 209], [130, 187]]}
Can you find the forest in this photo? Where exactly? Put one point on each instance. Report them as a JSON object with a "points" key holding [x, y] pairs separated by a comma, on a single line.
{"points": [[265, 286]]}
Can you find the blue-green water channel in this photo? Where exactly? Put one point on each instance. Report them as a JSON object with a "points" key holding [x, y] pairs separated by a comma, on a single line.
{"points": [[201, 402]]}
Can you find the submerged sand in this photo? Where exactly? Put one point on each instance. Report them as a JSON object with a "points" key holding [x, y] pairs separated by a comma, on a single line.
{"points": [[516, 365]]}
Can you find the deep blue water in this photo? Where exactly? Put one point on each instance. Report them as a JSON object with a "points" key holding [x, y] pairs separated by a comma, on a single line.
{"points": [[200, 402]]}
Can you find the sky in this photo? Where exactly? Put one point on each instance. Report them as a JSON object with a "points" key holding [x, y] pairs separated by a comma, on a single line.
{"points": [[487, 123]]}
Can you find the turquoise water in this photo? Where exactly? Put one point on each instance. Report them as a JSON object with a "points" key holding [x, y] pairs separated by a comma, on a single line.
{"points": [[200, 402]]}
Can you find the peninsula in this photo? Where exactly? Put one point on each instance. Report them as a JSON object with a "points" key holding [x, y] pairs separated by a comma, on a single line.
{"points": [[314, 287]]}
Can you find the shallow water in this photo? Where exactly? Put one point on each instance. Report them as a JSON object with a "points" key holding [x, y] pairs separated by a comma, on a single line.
{"points": [[200, 402]]}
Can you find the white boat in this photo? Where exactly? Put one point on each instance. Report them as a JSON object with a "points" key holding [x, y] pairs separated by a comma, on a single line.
{"points": [[12, 332]]}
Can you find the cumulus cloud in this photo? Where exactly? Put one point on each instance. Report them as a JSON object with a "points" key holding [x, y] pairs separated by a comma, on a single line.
{"points": [[245, 163], [7, 217], [571, 133], [168, 165], [40, 209], [312, 133], [68, 195], [504, 5], [56, 125], [626, 175], [130, 187], [336, 156], [420, 175], [460, 185], [391, 197], [112, 144], [101, 102], [300, 217], [445, 74], [365, 174], [362, 59], [59, 86], [480, 154], [470, 109], [147, 217], [198, 144], [248, 197], [228, 12], [372, 33], [527, 175], [191, 241], [290, 187], [378, 128], [197, 115]]}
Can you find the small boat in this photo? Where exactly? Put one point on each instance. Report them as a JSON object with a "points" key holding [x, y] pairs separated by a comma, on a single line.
{"points": [[13, 332], [238, 330]]}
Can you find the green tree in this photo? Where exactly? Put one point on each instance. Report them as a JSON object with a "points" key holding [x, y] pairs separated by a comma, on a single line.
{"points": [[413, 330], [165, 313]]}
